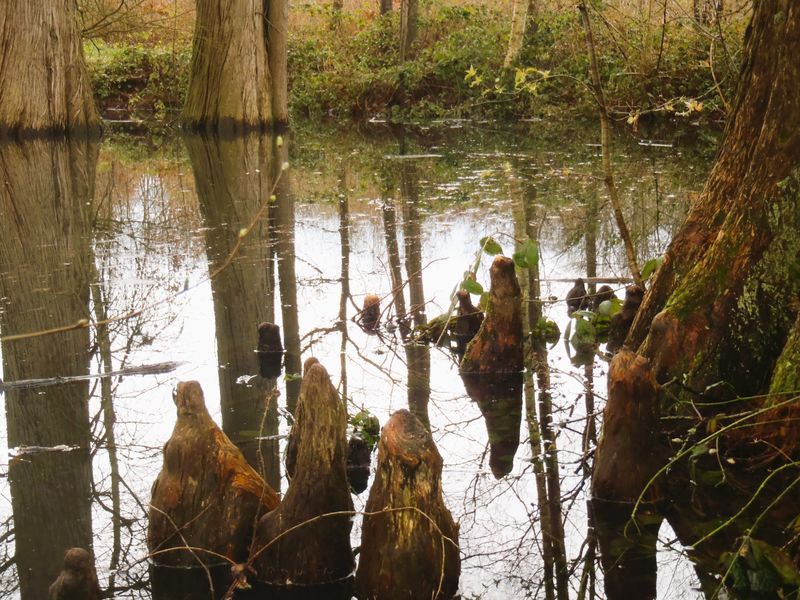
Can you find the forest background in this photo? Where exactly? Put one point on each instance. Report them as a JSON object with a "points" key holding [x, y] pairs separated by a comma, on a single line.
{"points": [[658, 58]]}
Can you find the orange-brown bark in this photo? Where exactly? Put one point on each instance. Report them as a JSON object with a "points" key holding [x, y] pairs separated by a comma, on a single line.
{"points": [[497, 347], [206, 496], [409, 541], [300, 547]]}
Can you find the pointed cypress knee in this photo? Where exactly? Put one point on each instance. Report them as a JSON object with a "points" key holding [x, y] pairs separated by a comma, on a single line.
{"points": [[409, 541], [270, 350], [206, 496], [497, 347], [298, 549], [78, 578], [492, 366]]}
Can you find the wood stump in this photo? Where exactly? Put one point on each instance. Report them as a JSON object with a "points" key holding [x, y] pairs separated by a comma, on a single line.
{"points": [[297, 550], [366, 431], [270, 350], [622, 321], [497, 347], [492, 366], [604, 293], [468, 322], [409, 545], [206, 496], [78, 578], [370, 316]]}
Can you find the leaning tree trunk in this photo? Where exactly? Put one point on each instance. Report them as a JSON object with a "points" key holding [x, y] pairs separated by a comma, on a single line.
{"points": [[409, 542], [713, 328], [43, 78], [231, 84]]}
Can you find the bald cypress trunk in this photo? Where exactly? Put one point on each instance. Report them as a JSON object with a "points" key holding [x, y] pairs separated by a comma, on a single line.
{"points": [[238, 76], [44, 85], [711, 339]]}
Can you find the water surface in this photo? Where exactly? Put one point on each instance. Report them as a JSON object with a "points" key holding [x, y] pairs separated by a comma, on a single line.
{"points": [[142, 251]]}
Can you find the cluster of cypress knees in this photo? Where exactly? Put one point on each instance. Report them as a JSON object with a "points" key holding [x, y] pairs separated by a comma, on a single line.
{"points": [[210, 508]]}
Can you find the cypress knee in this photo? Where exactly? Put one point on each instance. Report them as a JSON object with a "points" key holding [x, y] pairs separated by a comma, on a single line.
{"points": [[206, 495], [297, 549], [409, 544], [497, 347], [492, 366], [78, 578], [270, 350]]}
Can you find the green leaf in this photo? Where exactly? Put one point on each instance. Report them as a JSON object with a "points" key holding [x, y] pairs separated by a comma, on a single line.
{"points": [[519, 259], [472, 286], [483, 303], [527, 257], [585, 335], [292, 377], [490, 246], [778, 559], [650, 266], [608, 308], [699, 450], [531, 250]]}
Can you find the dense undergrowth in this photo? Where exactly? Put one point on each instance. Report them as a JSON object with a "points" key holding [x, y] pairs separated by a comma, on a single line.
{"points": [[654, 61]]}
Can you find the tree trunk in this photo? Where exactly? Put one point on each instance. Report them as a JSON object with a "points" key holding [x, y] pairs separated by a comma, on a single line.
{"points": [[232, 88], [408, 27], [206, 498], [384, 6], [520, 16], [409, 541], [277, 46], [283, 235], [418, 356], [716, 320], [299, 548], [42, 73], [605, 144]]}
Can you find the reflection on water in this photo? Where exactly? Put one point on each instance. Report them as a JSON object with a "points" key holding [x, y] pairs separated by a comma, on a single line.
{"points": [[157, 250], [46, 205]]}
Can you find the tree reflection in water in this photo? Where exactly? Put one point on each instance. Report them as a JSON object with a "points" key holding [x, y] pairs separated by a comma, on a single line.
{"points": [[359, 217]]}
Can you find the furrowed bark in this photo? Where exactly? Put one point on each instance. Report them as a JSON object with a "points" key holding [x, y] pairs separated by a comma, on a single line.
{"points": [[206, 495], [759, 150], [230, 83], [409, 541], [43, 77], [298, 549], [277, 47], [628, 457]]}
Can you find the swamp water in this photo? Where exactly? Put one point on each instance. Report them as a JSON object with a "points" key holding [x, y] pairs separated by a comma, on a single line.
{"points": [[170, 252]]}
